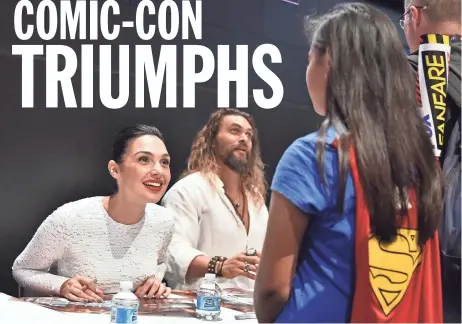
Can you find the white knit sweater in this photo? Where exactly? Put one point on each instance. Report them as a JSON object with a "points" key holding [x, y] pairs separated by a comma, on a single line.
{"points": [[82, 239]]}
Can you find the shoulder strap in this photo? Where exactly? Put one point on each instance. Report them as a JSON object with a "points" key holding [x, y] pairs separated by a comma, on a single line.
{"points": [[454, 83], [414, 60]]}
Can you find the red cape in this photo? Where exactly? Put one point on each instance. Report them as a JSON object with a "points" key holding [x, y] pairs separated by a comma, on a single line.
{"points": [[398, 282]]}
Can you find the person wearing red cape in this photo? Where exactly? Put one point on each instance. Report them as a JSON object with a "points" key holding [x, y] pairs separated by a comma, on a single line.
{"points": [[355, 206]]}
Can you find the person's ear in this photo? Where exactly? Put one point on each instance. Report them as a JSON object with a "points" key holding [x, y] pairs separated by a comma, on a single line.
{"points": [[113, 168], [416, 16], [328, 61]]}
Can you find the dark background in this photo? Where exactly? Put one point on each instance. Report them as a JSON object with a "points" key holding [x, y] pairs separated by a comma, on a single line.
{"points": [[53, 156]]}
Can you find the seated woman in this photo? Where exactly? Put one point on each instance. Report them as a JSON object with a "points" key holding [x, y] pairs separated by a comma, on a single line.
{"points": [[97, 242], [357, 203]]}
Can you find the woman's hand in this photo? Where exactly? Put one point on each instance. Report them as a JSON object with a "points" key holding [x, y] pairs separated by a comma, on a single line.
{"points": [[240, 265], [153, 288], [81, 289]]}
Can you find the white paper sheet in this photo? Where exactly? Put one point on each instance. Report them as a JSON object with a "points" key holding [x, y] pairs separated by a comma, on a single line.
{"points": [[175, 296]]}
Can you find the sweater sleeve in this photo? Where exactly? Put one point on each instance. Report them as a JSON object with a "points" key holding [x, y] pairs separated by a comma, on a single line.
{"points": [[163, 253], [31, 268]]}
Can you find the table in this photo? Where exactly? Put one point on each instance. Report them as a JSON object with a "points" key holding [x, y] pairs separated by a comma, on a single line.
{"points": [[178, 308], [227, 316]]}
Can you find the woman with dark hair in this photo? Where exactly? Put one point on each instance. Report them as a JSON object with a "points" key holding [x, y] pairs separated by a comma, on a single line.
{"points": [[98, 242], [355, 206]]}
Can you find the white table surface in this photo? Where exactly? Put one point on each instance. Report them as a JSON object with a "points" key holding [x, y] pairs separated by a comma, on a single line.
{"points": [[19, 312], [227, 316]]}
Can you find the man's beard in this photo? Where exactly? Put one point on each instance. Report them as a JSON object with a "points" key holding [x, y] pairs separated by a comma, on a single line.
{"points": [[240, 166]]}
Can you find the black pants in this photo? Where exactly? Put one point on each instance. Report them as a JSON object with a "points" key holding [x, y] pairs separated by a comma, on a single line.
{"points": [[451, 280]]}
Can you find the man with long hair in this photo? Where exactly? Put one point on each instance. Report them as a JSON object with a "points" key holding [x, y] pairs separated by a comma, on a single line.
{"points": [[219, 202], [443, 17]]}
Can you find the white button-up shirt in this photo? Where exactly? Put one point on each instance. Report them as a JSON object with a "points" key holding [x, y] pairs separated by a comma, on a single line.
{"points": [[206, 223]]}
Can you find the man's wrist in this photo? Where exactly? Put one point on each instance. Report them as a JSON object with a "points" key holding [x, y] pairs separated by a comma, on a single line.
{"points": [[214, 265], [220, 268]]}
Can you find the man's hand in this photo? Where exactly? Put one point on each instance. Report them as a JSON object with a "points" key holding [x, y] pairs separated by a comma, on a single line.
{"points": [[152, 288], [81, 289], [240, 265]]}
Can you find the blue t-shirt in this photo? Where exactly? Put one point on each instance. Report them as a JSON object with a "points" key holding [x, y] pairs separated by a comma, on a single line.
{"points": [[323, 284]]}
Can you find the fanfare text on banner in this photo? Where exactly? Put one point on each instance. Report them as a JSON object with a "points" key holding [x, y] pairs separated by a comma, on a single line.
{"points": [[433, 73]]}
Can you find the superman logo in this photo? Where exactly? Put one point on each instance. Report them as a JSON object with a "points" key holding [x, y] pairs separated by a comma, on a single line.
{"points": [[391, 267]]}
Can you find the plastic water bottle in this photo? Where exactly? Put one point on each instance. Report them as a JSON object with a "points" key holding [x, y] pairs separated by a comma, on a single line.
{"points": [[208, 299], [125, 305]]}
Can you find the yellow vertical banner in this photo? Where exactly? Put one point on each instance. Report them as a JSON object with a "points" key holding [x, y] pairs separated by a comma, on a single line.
{"points": [[433, 73]]}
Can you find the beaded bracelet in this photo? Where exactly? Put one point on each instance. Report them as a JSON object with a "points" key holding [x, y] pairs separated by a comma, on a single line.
{"points": [[212, 266], [221, 267]]}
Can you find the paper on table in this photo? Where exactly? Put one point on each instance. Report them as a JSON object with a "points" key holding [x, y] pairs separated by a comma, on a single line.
{"points": [[238, 296], [14, 311], [175, 296]]}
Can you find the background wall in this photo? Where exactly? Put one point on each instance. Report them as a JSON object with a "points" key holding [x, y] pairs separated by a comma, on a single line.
{"points": [[53, 156]]}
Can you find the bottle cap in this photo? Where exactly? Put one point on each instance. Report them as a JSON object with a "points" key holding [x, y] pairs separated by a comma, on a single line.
{"points": [[126, 285], [210, 276]]}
